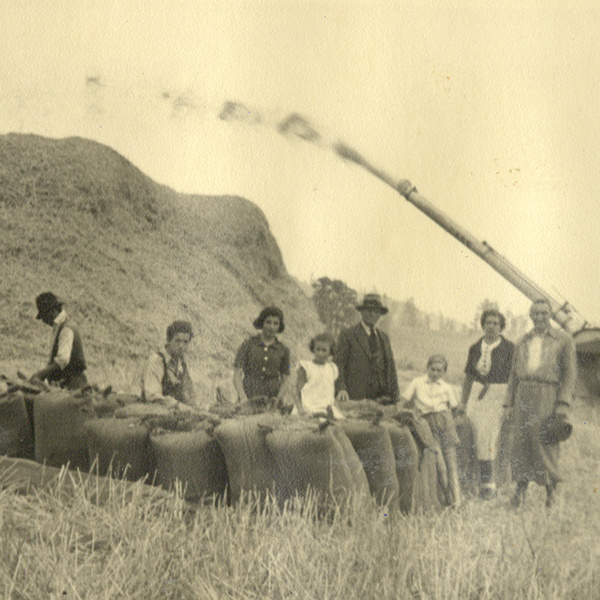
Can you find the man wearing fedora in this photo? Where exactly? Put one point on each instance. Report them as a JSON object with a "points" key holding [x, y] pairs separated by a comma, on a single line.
{"points": [[66, 365], [364, 358], [540, 389]]}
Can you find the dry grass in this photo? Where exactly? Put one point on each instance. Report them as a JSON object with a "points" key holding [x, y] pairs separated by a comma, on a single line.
{"points": [[135, 547]]}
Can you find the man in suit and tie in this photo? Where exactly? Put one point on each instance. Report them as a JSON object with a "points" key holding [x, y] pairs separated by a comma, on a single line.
{"points": [[364, 358]]}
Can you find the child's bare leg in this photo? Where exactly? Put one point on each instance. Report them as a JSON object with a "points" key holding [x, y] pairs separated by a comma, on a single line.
{"points": [[452, 466]]}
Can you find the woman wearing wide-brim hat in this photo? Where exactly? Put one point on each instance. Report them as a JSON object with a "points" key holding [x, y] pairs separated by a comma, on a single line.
{"points": [[261, 367]]}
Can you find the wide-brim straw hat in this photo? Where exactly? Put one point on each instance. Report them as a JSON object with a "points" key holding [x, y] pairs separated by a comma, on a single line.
{"points": [[372, 302]]}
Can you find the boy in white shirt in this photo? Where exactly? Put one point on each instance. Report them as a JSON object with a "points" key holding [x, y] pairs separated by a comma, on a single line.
{"points": [[434, 399]]}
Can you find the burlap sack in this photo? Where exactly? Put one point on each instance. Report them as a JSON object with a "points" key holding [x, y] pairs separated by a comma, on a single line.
{"points": [[59, 425], [120, 448], [250, 466], [310, 458], [406, 454], [374, 448], [16, 436], [192, 459]]}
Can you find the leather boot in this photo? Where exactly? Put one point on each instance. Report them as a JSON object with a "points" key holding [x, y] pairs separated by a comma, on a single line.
{"points": [[550, 494], [487, 487], [519, 498]]}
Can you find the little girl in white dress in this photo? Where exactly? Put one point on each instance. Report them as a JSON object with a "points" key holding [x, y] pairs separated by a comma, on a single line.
{"points": [[315, 385]]}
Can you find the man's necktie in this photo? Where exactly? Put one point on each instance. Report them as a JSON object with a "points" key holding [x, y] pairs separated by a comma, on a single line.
{"points": [[373, 340]]}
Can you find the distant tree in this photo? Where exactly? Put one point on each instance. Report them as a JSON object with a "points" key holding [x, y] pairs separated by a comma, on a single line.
{"points": [[335, 303], [411, 315], [446, 323], [427, 319]]}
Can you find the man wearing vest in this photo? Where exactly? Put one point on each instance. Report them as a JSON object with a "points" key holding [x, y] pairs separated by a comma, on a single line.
{"points": [[66, 365], [166, 377], [364, 358]]}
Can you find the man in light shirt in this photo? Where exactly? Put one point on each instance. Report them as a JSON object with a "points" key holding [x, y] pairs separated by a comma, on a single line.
{"points": [[66, 365], [541, 385], [165, 377]]}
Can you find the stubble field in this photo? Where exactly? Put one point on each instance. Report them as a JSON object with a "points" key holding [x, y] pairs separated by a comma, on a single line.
{"points": [[57, 545]]}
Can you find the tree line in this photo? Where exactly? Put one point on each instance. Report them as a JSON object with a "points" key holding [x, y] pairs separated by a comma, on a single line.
{"points": [[334, 301]]}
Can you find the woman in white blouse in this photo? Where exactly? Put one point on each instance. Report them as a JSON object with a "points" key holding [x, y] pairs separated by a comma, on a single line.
{"points": [[484, 393]]}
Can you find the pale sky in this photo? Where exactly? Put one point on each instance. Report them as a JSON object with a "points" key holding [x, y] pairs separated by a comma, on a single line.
{"points": [[490, 108]]}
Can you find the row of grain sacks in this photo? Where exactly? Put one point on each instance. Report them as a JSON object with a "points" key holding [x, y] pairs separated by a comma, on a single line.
{"points": [[395, 464], [367, 454], [113, 434], [48, 424]]}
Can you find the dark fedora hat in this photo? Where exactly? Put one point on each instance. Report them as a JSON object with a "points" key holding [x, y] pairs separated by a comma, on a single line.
{"points": [[372, 302], [556, 428], [46, 302]]}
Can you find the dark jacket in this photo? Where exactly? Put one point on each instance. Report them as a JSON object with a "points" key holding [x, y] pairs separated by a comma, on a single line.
{"points": [[358, 370], [501, 362]]}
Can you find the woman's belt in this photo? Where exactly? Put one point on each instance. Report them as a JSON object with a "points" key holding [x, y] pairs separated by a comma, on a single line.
{"points": [[539, 380]]}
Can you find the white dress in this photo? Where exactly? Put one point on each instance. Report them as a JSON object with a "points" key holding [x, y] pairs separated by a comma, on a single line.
{"points": [[318, 393]]}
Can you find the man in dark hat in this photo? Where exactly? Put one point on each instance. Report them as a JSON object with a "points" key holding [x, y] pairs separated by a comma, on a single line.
{"points": [[540, 389], [66, 365], [165, 377], [364, 357]]}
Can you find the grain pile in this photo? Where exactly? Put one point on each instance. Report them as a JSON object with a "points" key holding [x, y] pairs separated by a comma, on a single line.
{"points": [[129, 256]]}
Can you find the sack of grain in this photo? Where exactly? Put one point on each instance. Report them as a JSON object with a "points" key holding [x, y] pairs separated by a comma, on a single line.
{"points": [[16, 437], [29, 399], [406, 454], [466, 454], [311, 459], [502, 468], [190, 456], [59, 429], [426, 490], [431, 481], [374, 448], [119, 447], [361, 483], [250, 466]]}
